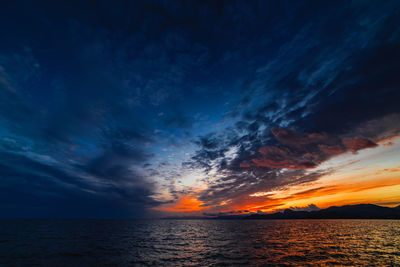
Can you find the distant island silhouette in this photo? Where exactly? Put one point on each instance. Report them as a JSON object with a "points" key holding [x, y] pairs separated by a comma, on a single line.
{"points": [[361, 211]]}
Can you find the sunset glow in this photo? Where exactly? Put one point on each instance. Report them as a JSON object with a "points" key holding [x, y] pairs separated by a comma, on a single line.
{"points": [[183, 204], [369, 176]]}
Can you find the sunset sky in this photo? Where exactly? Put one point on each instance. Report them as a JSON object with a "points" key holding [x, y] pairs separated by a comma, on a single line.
{"points": [[197, 108]]}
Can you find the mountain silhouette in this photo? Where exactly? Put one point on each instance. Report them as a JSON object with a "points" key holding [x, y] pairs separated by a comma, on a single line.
{"points": [[361, 211]]}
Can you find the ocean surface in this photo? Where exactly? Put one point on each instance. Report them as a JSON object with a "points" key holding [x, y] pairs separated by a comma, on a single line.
{"points": [[199, 242]]}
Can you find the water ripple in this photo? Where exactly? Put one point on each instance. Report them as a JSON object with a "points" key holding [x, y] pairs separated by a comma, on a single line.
{"points": [[199, 242]]}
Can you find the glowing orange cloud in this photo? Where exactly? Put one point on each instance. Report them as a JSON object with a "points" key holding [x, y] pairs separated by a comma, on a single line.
{"points": [[183, 204]]}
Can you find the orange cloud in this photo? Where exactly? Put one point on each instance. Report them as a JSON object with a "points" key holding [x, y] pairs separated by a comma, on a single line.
{"points": [[396, 169], [388, 144], [183, 204]]}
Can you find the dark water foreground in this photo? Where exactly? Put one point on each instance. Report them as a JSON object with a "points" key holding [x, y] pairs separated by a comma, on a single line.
{"points": [[199, 242]]}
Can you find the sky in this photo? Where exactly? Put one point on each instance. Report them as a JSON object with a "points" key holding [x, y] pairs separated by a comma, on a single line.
{"points": [[140, 109]]}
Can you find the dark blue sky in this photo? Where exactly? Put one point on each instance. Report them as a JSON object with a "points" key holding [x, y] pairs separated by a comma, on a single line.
{"points": [[114, 109]]}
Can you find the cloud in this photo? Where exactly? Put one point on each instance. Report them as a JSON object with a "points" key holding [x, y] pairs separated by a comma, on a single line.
{"points": [[30, 181], [306, 150], [388, 170], [311, 207], [183, 204], [275, 157], [293, 138], [358, 143], [329, 149]]}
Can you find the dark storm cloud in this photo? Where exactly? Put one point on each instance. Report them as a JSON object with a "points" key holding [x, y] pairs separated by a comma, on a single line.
{"points": [[35, 186], [115, 161]]}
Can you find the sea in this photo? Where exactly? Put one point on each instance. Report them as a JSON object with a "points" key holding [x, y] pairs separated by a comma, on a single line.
{"points": [[76, 242]]}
